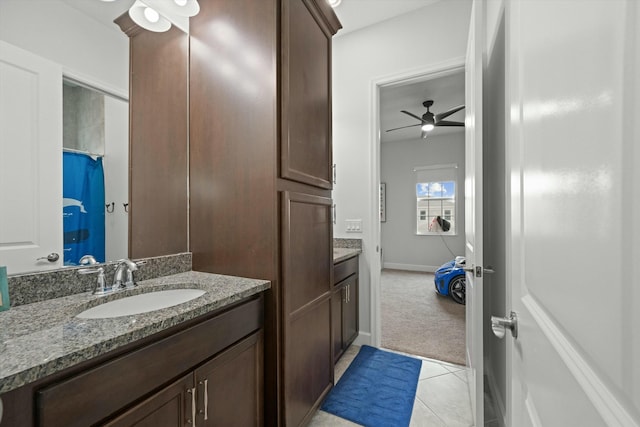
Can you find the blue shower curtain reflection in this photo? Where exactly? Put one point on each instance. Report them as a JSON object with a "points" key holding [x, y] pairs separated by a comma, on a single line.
{"points": [[83, 207]]}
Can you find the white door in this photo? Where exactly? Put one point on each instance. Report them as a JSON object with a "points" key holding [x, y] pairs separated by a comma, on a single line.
{"points": [[473, 212], [30, 161], [573, 79]]}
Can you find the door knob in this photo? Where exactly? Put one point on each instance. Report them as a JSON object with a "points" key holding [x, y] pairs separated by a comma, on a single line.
{"points": [[52, 257], [499, 325]]}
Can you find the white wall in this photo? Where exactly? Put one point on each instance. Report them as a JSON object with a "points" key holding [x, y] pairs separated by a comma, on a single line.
{"points": [[83, 46], [116, 177], [402, 248], [417, 40]]}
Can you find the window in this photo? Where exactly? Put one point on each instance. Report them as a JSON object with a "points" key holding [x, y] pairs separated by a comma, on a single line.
{"points": [[436, 199]]}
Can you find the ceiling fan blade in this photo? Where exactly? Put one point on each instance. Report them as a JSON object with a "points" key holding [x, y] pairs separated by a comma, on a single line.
{"points": [[402, 127], [448, 123], [448, 113], [412, 115]]}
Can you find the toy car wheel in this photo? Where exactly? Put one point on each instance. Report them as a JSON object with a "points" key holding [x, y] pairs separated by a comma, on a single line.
{"points": [[457, 289]]}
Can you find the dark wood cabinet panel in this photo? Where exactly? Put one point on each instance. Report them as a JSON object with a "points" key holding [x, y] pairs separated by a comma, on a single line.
{"points": [[306, 293], [345, 312], [305, 145], [308, 370], [307, 242], [170, 407], [350, 311], [232, 383], [233, 120], [158, 132], [337, 298]]}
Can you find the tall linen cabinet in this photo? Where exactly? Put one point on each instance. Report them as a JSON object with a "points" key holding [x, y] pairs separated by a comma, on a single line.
{"points": [[260, 178]]}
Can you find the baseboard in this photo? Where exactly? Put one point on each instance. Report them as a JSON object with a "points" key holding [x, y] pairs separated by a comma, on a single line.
{"points": [[410, 267], [493, 386], [363, 338]]}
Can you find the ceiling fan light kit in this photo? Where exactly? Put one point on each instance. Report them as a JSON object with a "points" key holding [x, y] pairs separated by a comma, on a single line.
{"points": [[429, 121]]}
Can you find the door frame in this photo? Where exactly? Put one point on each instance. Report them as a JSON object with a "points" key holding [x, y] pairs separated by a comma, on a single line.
{"points": [[429, 72]]}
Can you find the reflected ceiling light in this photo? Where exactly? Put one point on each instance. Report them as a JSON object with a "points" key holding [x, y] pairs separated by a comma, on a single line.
{"points": [[157, 15], [151, 15], [335, 3]]}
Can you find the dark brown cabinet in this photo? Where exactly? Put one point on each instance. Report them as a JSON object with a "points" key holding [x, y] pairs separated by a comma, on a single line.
{"points": [[305, 152], [259, 172], [229, 387], [344, 306], [260, 179], [170, 407], [306, 297], [210, 367], [225, 391]]}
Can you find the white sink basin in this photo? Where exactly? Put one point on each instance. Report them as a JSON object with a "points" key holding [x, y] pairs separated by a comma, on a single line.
{"points": [[142, 303]]}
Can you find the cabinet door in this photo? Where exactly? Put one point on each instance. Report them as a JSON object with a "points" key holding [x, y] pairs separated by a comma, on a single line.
{"points": [[337, 299], [173, 406], [230, 390], [350, 311], [306, 95], [307, 260]]}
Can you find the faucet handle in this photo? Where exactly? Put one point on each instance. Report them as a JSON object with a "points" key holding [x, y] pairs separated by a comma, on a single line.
{"points": [[100, 287]]}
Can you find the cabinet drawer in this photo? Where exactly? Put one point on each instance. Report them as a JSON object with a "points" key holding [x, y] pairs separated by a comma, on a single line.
{"points": [[345, 269], [99, 392]]}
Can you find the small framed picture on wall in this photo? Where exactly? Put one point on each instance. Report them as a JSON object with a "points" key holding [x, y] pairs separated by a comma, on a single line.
{"points": [[383, 202]]}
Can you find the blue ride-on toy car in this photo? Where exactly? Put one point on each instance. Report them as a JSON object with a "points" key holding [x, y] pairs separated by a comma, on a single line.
{"points": [[450, 280]]}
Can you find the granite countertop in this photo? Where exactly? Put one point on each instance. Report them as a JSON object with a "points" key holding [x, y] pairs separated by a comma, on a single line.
{"points": [[341, 254], [45, 337]]}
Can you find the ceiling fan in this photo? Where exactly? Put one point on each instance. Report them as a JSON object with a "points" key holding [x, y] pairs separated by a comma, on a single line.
{"points": [[429, 121]]}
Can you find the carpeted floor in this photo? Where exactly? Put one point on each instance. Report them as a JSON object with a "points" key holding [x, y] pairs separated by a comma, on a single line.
{"points": [[416, 320]]}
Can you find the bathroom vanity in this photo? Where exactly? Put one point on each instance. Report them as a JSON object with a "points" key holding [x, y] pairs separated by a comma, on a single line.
{"points": [[198, 362]]}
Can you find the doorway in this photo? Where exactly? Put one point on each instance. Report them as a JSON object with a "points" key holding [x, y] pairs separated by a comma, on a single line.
{"points": [[407, 314]]}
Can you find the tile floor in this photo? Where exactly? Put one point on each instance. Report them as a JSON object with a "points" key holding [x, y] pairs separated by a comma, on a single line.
{"points": [[442, 398]]}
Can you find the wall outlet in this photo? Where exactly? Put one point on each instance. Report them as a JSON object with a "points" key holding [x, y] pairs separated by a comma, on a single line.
{"points": [[354, 226]]}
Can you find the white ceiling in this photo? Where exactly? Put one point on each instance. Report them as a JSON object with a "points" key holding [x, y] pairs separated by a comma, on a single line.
{"points": [[446, 92], [357, 14], [102, 11]]}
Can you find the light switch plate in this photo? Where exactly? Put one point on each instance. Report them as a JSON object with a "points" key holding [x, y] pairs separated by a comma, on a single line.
{"points": [[354, 226]]}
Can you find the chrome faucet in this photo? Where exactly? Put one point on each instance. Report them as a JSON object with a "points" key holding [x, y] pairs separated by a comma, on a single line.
{"points": [[123, 278]]}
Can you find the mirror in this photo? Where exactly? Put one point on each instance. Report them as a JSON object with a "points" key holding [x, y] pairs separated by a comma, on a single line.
{"points": [[92, 54], [95, 164]]}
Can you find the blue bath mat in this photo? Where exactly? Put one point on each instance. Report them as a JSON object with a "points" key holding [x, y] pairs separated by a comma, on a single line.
{"points": [[378, 389]]}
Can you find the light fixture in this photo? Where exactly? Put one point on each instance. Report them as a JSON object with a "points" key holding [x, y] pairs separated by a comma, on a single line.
{"points": [[428, 121], [158, 15], [334, 3]]}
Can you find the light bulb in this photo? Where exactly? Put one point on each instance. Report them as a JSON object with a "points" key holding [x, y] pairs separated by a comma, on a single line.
{"points": [[180, 3], [151, 15], [427, 127], [335, 3]]}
